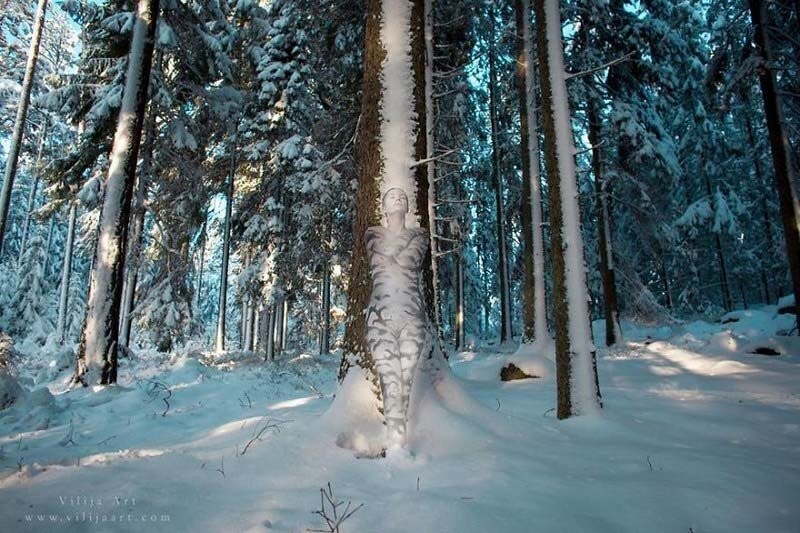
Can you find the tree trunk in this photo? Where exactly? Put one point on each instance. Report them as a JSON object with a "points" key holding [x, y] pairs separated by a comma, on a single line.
{"points": [[97, 356], [202, 246], [66, 274], [502, 267], [723, 270], [459, 340], [219, 341], [602, 192], [368, 161], [279, 311], [766, 256], [325, 319], [137, 232], [667, 293], [22, 114], [270, 335], [34, 190], [534, 314], [576, 371], [784, 178], [424, 76], [285, 325]]}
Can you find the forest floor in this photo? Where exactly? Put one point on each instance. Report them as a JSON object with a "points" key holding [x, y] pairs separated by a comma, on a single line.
{"points": [[697, 435]]}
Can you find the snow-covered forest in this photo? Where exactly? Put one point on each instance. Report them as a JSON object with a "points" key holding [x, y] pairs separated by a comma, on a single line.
{"points": [[400, 265]]}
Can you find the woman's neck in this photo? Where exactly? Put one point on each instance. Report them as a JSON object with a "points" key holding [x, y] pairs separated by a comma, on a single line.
{"points": [[396, 222]]}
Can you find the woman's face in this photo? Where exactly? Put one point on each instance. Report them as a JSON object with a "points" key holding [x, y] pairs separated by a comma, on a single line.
{"points": [[395, 200]]}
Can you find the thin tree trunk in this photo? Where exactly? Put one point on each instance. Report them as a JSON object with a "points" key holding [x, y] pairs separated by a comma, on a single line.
{"points": [[285, 325], [576, 371], [137, 232], [50, 232], [784, 178], [202, 246], [32, 194], [97, 355], [430, 175], [723, 269], [766, 257], [279, 312], [534, 314], [459, 340], [665, 280], [270, 334], [22, 114], [66, 275], [325, 343], [219, 342], [502, 267], [610, 308]]}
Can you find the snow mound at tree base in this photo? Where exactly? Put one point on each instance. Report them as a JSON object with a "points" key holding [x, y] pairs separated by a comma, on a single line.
{"points": [[354, 417], [531, 360]]}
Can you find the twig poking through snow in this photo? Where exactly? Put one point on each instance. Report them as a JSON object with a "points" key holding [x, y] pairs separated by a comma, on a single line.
{"points": [[269, 424], [156, 388], [330, 512]]}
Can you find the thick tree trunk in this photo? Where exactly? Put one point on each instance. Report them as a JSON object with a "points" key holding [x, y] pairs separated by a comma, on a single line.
{"points": [[368, 159], [66, 275], [22, 113], [576, 371], [534, 314], [502, 267], [602, 191], [784, 178], [97, 356], [219, 340]]}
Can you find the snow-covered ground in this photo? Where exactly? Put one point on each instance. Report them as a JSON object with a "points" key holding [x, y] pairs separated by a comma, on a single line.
{"points": [[696, 435]]}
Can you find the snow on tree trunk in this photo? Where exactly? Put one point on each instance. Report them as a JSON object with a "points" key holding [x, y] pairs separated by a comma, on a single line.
{"points": [[784, 178], [270, 334], [497, 182], [22, 113], [34, 189], [577, 386], [137, 232], [389, 144], [602, 192], [324, 341], [459, 340], [219, 340], [97, 355], [534, 313], [279, 311], [435, 290], [66, 274]]}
